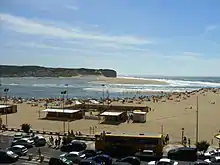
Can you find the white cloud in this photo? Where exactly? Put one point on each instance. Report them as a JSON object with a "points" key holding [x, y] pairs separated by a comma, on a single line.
{"points": [[191, 54], [184, 56], [71, 7], [112, 46], [83, 51], [211, 28], [27, 26]]}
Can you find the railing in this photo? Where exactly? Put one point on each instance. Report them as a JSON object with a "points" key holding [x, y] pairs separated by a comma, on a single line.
{"points": [[44, 132]]}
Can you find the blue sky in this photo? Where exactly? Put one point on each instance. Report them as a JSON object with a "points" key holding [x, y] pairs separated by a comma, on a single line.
{"points": [[141, 37]]}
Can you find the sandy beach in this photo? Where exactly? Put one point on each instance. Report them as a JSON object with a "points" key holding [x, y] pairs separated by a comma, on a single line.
{"points": [[129, 81], [172, 112]]}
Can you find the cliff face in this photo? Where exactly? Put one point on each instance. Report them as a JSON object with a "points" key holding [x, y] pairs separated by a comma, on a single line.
{"points": [[38, 71]]}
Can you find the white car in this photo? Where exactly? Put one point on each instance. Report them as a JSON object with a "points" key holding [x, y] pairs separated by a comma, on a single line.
{"points": [[40, 141], [212, 153], [18, 136], [213, 160], [18, 149], [28, 140], [24, 142], [72, 154], [75, 157], [163, 161]]}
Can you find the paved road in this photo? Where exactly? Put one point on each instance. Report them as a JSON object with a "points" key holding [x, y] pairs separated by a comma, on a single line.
{"points": [[5, 141], [7, 137], [25, 162], [90, 144]]}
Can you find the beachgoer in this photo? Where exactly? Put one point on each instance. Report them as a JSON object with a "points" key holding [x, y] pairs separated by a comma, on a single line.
{"points": [[56, 142], [39, 152], [52, 140], [184, 140], [167, 139]]}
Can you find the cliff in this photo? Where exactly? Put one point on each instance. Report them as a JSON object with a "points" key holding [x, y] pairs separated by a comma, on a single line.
{"points": [[38, 71]]}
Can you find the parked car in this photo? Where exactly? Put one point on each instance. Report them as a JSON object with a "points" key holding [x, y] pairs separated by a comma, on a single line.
{"points": [[146, 155], [74, 146], [17, 136], [130, 159], [209, 154], [59, 161], [89, 153], [28, 136], [183, 154], [23, 135], [40, 141], [20, 150], [213, 160], [87, 162], [24, 142], [8, 157], [163, 161], [199, 162], [121, 163], [75, 157], [102, 159], [118, 151]]}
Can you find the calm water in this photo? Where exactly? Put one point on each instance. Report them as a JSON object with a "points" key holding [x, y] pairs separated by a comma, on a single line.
{"points": [[89, 88]]}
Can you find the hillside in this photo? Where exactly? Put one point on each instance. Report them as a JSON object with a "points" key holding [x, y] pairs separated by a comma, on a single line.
{"points": [[38, 71]]}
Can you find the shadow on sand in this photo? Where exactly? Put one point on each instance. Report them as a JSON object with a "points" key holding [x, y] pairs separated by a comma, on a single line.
{"points": [[111, 122], [57, 119]]}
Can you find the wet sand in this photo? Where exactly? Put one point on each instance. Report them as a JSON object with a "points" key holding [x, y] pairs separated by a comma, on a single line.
{"points": [[129, 81]]}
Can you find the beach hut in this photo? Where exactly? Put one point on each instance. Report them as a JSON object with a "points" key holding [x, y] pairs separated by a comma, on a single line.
{"points": [[116, 117], [139, 116], [77, 102], [8, 109], [94, 102], [63, 114]]}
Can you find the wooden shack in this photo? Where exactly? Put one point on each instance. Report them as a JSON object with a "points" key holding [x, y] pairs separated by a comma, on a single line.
{"points": [[7, 109], [63, 114], [114, 116]]}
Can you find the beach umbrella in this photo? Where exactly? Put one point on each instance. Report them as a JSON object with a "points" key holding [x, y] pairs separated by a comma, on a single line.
{"points": [[217, 136]]}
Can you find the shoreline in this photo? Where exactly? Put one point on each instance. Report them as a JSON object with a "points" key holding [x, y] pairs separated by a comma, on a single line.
{"points": [[148, 93], [120, 80]]}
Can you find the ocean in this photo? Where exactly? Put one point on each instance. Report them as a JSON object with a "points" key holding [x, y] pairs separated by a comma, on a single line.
{"points": [[90, 88]]}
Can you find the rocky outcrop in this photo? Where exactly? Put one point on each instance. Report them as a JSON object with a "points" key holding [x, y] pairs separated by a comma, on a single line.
{"points": [[38, 71]]}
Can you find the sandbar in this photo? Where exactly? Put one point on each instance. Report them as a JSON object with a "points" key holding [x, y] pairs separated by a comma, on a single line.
{"points": [[130, 81]]}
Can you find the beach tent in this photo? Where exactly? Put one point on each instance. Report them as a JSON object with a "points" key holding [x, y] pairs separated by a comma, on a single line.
{"points": [[94, 101], [217, 136], [77, 102]]}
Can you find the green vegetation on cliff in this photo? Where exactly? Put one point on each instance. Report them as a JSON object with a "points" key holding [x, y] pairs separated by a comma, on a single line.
{"points": [[38, 71]]}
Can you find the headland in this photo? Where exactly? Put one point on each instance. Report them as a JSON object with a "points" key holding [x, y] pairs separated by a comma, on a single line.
{"points": [[39, 71]]}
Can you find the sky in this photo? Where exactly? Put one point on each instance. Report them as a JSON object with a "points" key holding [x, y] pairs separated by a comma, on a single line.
{"points": [[134, 37]]}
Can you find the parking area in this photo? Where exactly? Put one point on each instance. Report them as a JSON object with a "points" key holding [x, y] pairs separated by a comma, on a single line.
{"points": [[7, 137]]}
